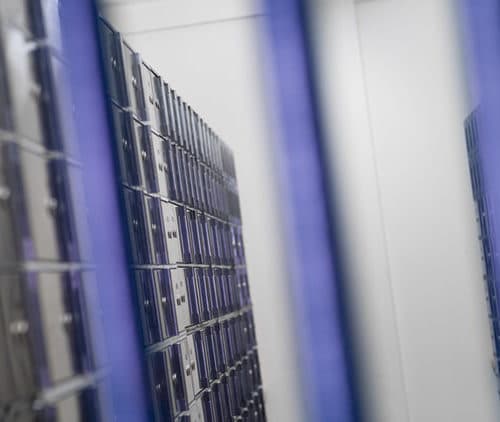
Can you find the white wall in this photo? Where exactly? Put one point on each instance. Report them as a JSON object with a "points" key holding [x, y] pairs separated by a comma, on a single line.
{"points": [[355, 173], [396, 103], [210, 53]]}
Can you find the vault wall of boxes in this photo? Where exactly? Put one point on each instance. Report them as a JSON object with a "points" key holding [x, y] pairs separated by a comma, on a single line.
{"points": [[484, 217], [180, 197], [181, 206], [50, 367]]}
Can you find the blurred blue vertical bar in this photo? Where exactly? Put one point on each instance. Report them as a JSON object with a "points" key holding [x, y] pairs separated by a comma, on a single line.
{"points": [[483, 23], [81, 51], [315, 267]]}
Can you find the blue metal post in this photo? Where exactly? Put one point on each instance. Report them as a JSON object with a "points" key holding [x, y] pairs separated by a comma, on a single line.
{"points": [[315, 270], [81, 51]]}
